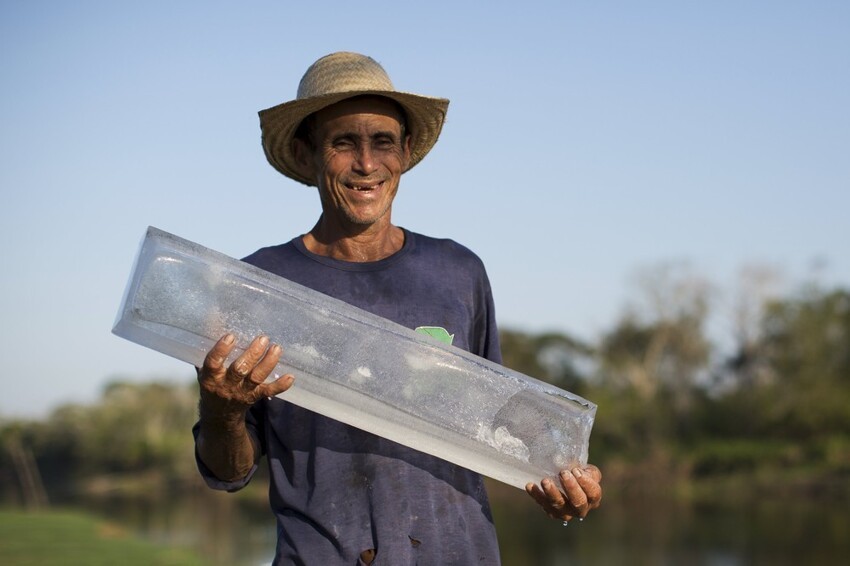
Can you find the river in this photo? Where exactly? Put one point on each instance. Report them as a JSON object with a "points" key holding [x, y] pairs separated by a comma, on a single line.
{"points": [[237, 530]]}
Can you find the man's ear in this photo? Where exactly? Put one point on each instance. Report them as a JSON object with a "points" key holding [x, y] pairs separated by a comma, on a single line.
{"points": [[303, 153]]}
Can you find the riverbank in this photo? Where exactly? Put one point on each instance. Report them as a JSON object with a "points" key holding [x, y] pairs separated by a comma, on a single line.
{"points": [[72, 537]]}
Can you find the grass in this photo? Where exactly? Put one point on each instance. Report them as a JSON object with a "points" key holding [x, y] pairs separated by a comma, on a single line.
{"points": [[46, 538]]}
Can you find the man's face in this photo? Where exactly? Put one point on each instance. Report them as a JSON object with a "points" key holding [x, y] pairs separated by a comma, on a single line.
{"points": [[359, 153]]}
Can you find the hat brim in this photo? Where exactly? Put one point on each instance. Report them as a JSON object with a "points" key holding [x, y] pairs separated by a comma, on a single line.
{"points": [[425, 118]]}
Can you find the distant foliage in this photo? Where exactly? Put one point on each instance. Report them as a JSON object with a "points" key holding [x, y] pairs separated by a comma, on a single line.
{"points": [[133, 428], [555, 358], [672, 402]]}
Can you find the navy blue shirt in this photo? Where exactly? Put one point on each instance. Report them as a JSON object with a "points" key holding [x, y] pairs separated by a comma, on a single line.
{"points": [[337, 490]]}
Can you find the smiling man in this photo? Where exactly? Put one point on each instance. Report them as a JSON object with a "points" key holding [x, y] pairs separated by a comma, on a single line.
{"points": [[341, 495], [356, 150]]}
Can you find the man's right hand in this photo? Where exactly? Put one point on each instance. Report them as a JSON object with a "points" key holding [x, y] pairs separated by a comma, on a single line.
{"points": [[224, 443], [228, 392]]}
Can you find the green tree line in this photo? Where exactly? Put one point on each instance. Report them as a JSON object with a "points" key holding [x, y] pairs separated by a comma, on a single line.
{"points": [[773, 407], [774, 403]]}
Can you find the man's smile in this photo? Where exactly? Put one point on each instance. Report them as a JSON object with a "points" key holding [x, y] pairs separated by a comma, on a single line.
{"points": [[364, 186]]}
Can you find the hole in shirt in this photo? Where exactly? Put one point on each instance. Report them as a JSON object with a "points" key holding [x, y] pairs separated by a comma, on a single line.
{"points": [[367, 556]]}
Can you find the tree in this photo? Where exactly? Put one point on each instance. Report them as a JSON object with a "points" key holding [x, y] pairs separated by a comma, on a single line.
{"points": [[661, 346], [553, 357], [807, 344]]}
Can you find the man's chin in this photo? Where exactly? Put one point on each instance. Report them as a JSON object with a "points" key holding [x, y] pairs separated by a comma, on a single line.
{"points": [[364, 218]]}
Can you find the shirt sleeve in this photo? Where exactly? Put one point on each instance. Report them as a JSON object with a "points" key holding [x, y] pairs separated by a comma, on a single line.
{"points": [[487, 332]]}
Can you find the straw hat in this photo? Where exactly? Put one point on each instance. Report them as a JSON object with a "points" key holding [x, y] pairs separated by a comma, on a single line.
{"points": [[336, 77]]}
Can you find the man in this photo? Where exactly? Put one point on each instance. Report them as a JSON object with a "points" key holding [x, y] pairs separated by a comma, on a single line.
{"points": [[341, 495]]}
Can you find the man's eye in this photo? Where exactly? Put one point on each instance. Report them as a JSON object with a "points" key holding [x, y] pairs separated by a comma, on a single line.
{"points": [[343, 144]]}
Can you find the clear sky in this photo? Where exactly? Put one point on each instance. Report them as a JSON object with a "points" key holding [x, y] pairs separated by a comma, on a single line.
{"points": [[584, 140]]}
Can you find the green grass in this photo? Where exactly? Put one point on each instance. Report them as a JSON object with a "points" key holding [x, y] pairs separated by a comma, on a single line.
{"points": [[70, 537]]}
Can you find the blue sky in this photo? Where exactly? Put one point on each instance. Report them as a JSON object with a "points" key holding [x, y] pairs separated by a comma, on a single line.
{"points": [[585, 141]]}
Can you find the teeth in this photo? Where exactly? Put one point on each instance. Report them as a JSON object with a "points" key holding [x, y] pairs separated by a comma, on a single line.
{"points": [[364, 187]]}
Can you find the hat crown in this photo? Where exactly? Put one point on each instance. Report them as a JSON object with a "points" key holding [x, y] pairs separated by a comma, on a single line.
{"points": [[343, 72]]}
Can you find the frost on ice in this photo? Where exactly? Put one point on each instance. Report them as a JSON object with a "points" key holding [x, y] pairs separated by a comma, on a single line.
{"points": [[502, 440]]}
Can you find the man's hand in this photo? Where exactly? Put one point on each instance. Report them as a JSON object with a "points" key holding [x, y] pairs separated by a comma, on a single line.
{"points": [[229, 392], [224, 443], [579, 492]]}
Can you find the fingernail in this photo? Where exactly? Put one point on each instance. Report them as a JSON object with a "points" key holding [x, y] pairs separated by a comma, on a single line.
{"points": [[577, 473], [229, 339], [264, 340], [564, 474]]}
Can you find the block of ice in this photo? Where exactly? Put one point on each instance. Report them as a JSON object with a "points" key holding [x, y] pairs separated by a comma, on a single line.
{"points": [[390, 380]]}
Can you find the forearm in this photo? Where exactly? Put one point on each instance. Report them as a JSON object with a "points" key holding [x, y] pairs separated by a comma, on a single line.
{"points": [[225, 446], [223, 442]]}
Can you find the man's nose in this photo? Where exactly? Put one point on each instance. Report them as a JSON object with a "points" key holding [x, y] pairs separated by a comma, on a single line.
{"points": [[364, 161]]}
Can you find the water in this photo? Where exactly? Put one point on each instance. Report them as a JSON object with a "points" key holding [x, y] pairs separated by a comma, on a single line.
{"points": [[733, 531]]}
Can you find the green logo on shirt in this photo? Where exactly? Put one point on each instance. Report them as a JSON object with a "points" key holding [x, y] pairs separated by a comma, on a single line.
{"points": [[437, 332]]}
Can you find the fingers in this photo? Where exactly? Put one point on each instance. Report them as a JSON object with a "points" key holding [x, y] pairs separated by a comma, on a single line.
{"points": [[590, 481], [537, 494], [579, 492], [246, 364], [582, 489], [268, 359], [277, 386], [245, 379], [576, 497], [594, 472], [550, 498], [214, 362]]}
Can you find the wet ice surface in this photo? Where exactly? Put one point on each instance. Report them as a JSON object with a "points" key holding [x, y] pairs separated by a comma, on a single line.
{"points": [[390, 380]]}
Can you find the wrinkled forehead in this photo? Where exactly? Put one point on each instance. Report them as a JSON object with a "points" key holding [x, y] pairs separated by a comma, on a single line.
{"points": [[366, 105]]}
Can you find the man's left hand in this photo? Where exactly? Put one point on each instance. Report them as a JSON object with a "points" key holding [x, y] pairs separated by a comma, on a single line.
{"points": [[579, 492]]}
